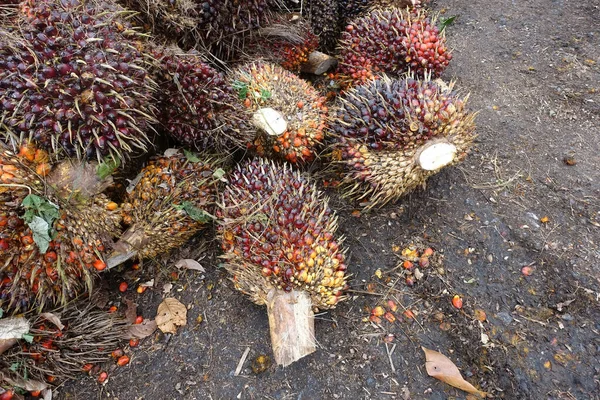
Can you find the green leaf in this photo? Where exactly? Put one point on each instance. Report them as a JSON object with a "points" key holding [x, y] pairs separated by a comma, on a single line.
{"points": [[40, 215], [194, 212], [265, 94], [444, 22], [108, 167], [1, 312], [241, 88], [191, 156], [14, 366], [219, 173], [28, 338]]}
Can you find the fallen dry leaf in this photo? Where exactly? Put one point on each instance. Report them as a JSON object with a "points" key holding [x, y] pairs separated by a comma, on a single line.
{"points": [[12, 329], [51, 317], [190, 264], [130, 311], [143, 330], [171, 314], [167, 287], [441, 367]]}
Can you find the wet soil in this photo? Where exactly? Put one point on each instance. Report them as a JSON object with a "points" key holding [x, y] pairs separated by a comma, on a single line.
{"points": [[533, 71]]}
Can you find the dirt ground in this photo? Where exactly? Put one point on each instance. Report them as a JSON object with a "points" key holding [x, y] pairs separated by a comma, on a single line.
{"points": [[533, 70]]}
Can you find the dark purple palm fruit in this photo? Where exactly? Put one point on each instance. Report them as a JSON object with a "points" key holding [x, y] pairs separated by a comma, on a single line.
{"points": [[323, 16], [279, 238], [391, 135], [74, 78], [392, 41], [197, 106]]}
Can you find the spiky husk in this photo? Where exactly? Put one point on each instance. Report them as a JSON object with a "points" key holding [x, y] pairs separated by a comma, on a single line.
{"points": [[350, 9], [85, 227], [172, 200], [198, 107], [73, 78], [287, 41], [382, 126], [88, 337], [277, 231], [264, 85], [218, 26], [393, 41]]}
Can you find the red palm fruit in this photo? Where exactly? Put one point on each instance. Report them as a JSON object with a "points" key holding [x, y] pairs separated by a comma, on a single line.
{"points": [[277, 232], [392, 41]]}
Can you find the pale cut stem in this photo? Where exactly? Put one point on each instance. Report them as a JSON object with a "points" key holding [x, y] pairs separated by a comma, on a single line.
{"points": [[436, 155], [270, 121], [291, 322], [318, 63], [126, 248]]}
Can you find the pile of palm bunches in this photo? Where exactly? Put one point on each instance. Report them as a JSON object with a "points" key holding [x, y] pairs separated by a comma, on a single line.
{"points": [[287, 41], [198, 108], [288, 114], [384, 127], [277, 231], [72, 78], [173, 199], [393, 41], [86, 337], [53, 232]]}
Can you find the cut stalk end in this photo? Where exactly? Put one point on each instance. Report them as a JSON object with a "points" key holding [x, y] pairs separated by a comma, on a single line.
{"points": [[270, 121], [437, 155], [291, 322]]}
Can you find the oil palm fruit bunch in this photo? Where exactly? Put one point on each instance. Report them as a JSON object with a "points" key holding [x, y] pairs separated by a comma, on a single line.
{"points": [[392, 40], [64, 343], [287, 112], [197, 106], [73, 78], [323, 16], [215, 25], [392, 134], [55, 226], [287, 41], [278, 235], [349, 9], [171, 200]]}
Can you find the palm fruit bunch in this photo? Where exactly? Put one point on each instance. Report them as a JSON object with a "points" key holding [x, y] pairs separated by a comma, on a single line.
{"points": [[288, 41], [278, 235], [288, 114], [392, 40], [73, 77], [349, 9], [215, 25], [393, 134], [65, 343], [323, 16], [172, 199], [197, 106], [55, 226]]}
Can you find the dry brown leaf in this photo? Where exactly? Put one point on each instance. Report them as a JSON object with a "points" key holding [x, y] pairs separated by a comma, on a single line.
{"points": [[48, 316], [171, 314], [6, 344], [190, 264], [143, 330], [441, 367], [130, 311]]}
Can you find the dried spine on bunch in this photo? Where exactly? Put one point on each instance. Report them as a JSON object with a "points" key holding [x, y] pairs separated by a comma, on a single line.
{"points": [[391, 135], [393, 41], [173, 199], [287, 112], [87, 336], [197, 106], [52, 245], [73, 78], [278, 235]]}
